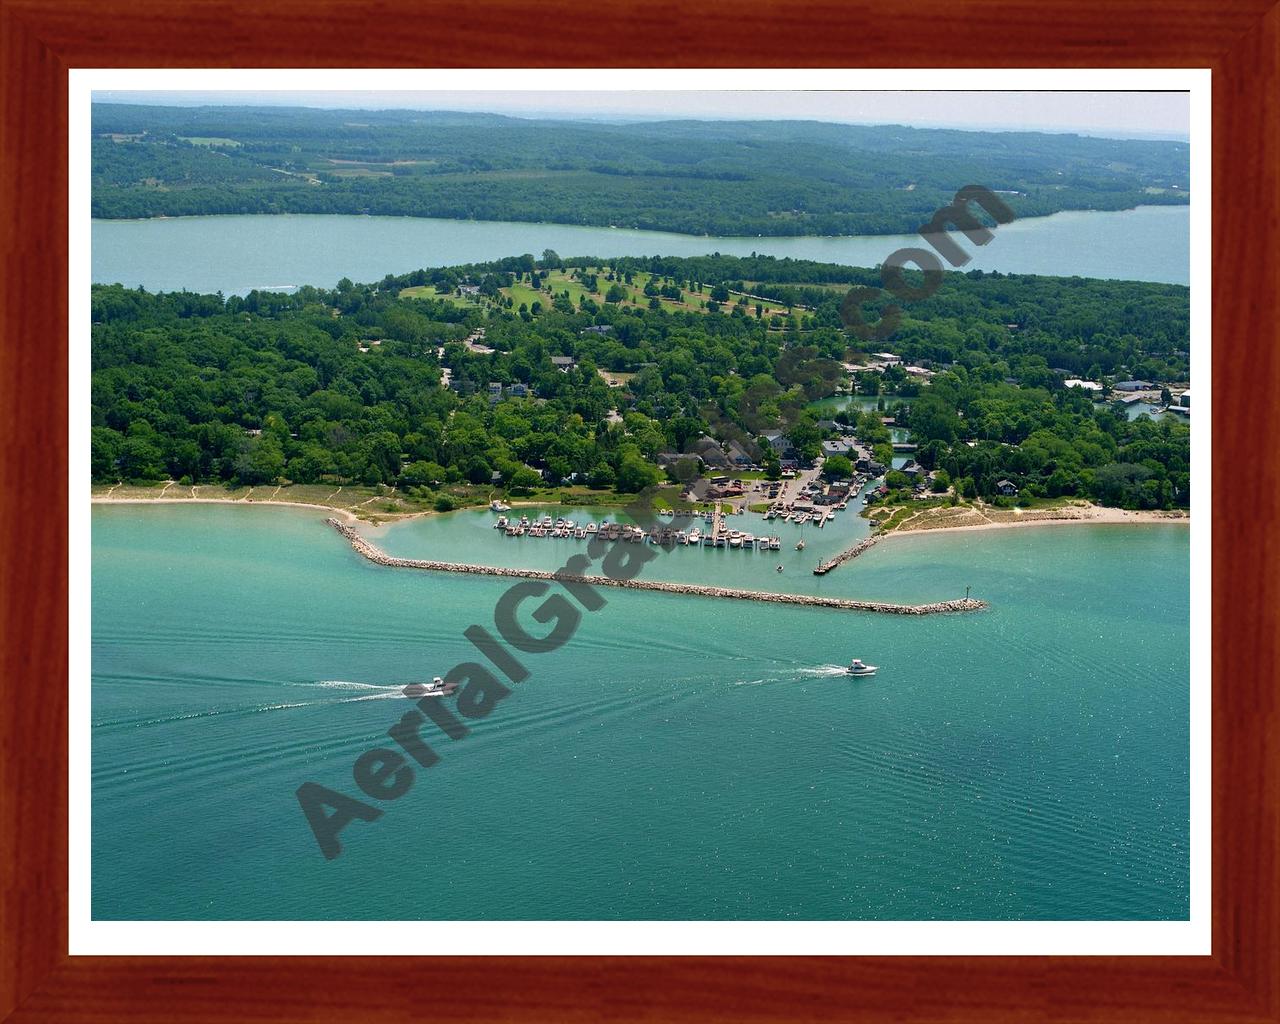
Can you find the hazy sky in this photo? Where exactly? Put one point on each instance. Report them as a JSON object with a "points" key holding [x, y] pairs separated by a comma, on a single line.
{"points": [[1116, 114]]}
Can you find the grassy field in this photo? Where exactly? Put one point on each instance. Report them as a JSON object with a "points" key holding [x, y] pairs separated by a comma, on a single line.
{"points": [[559, 282], [197, 140], [428, 291]]}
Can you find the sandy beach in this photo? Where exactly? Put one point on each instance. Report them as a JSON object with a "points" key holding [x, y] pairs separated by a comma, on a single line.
{"points": [[986, 517], [933, 519], [104, 499]]}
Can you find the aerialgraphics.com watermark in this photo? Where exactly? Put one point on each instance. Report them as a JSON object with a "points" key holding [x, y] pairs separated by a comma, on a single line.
{"points": [[386, 773]]}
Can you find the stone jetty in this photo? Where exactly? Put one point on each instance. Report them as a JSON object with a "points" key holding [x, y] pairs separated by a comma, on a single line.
{"points": [[825, 567], [375, 554]]}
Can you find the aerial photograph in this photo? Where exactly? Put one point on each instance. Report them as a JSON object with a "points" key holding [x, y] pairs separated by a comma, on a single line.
{"points": [[639, 506]]}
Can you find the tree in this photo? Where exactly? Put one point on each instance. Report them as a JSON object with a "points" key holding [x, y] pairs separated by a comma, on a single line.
{"points": [[634, 474], [105, 453], [524, 480], [140, 459], [260, 462], [422, 473], [837, 467]]}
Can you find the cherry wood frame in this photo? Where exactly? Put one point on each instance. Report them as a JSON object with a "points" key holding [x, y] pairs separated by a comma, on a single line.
{"points": [[41, 39]]}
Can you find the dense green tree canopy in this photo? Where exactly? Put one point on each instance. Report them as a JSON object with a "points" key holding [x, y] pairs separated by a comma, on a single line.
{"points": [[724, 178], [347, 385]]}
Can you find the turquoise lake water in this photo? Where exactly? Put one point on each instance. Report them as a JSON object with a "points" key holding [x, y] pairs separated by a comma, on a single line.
{"points": [[235, 254], [679, 758]]}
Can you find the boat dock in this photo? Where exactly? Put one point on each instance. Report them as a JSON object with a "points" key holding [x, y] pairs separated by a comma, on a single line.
{"points": [[718, 533], [376, 555]]}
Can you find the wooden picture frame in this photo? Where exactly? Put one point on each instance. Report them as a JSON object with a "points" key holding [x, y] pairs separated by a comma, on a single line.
{"points": [[42, 39]]}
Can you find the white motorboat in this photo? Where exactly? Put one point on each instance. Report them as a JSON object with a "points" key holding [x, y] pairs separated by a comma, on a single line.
{"points": [[436, 688], [498, 506], [858, 668]]}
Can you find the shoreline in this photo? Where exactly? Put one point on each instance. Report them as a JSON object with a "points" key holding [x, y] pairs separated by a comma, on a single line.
{"points": [[103, 499], [1074, 515], [904, 233], [1071, 515]]}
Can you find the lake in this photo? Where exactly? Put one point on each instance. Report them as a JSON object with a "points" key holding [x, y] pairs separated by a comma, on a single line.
{"points": [[236, 254], [680, 757]]}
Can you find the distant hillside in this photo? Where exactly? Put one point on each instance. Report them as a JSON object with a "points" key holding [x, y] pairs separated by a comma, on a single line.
{"points": [[693, 177]]}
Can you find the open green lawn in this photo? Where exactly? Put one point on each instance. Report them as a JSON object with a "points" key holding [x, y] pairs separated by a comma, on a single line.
{"points": [[428, 291], [560, 282]]}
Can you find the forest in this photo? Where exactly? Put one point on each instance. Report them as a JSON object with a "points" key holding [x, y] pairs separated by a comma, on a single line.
{"points": [[346, 384], [768, 178]]}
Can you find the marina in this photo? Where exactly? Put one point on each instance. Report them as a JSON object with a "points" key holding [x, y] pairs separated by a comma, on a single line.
{"points": [[374, 554], [717, 535]]}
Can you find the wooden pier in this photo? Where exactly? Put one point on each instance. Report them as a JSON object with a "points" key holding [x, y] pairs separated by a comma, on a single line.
{"points": [[375, 554]]}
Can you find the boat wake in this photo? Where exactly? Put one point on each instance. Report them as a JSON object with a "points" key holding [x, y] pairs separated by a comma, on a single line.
{"points": [[373, 691], [792, 675]]}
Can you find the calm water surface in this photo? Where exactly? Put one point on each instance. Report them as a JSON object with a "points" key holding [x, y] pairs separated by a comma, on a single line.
{"points": [[679, 758], [237, 254]]}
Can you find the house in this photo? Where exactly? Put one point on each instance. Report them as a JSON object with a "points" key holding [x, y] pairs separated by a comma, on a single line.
{"points": [[563, 363], [518, 390], [777, 440], [1183, 401], [495, 391], [1084, 385], [597, 329], [1006, 488], [739, 455], [1133, 385], [887, 357], [838, 446], [468, 289], [912, 468], [710, 453]]}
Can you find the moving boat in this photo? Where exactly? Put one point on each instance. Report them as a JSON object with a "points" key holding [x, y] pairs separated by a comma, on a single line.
{"points": [[858, 668], [436, 688], [800, 545]]}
